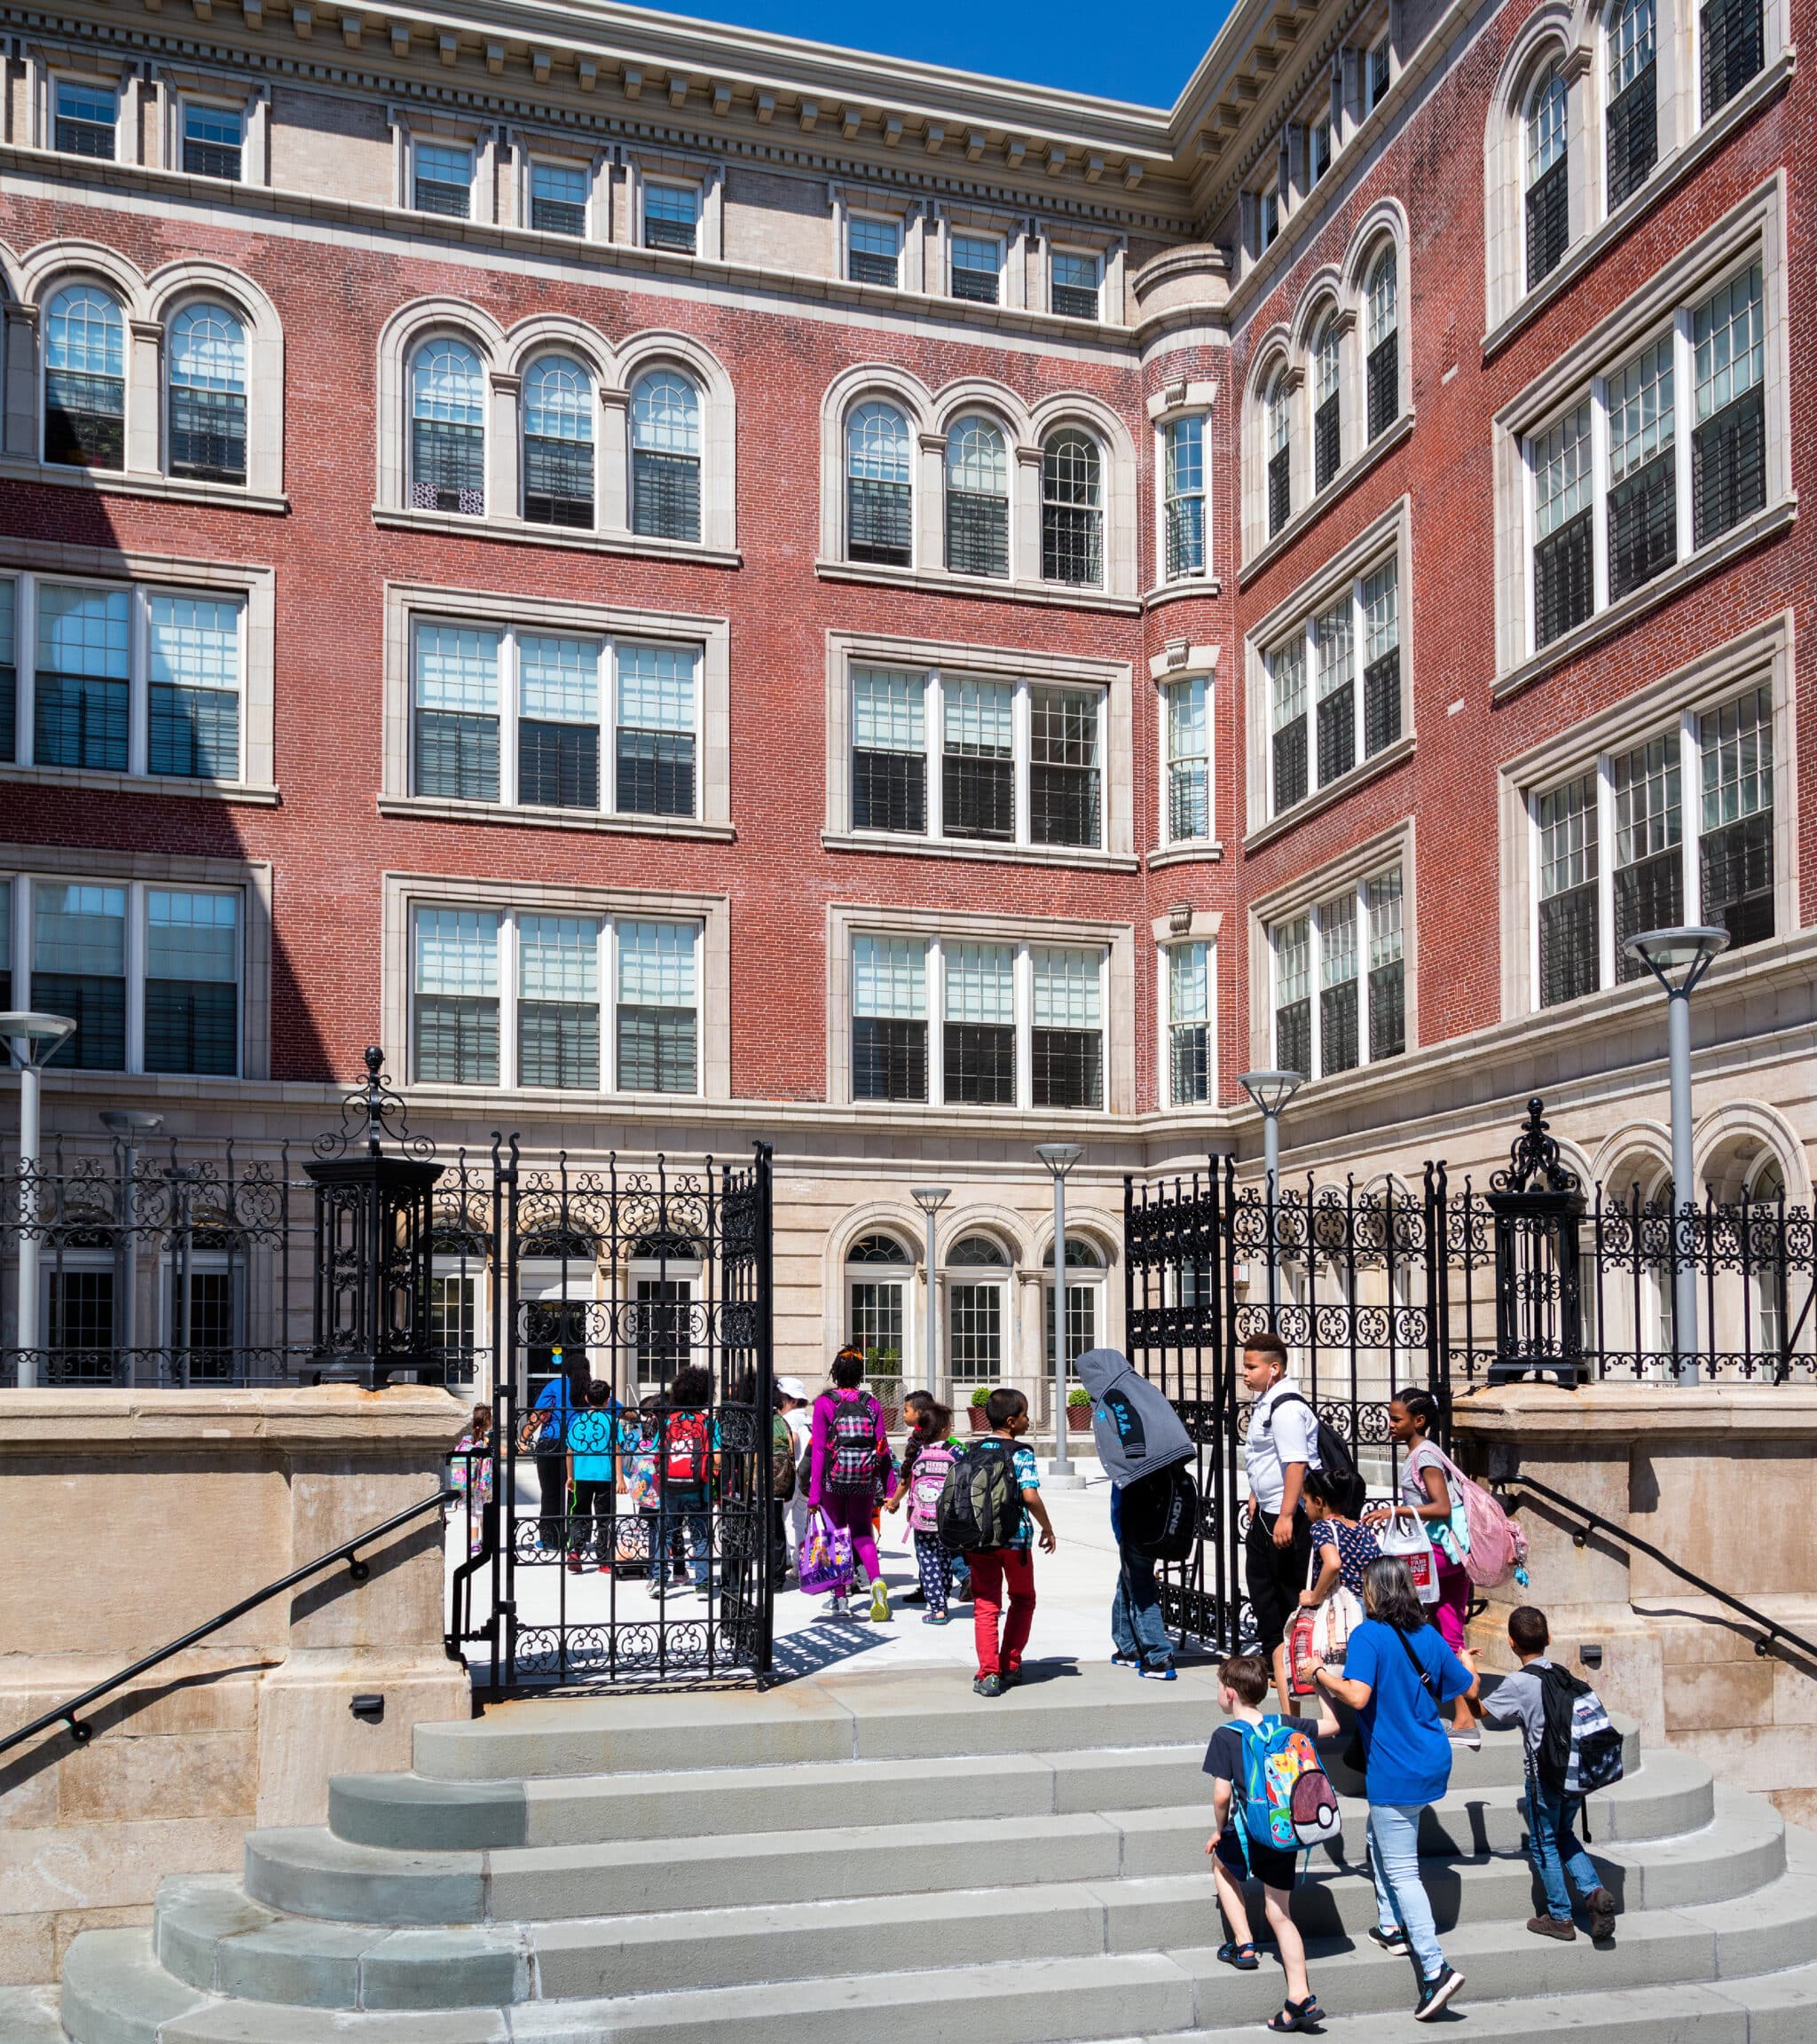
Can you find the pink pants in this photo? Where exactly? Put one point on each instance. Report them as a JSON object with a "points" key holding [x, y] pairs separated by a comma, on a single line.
{"points": [[854, 1511], [992, 1568], [1452, 1610]]}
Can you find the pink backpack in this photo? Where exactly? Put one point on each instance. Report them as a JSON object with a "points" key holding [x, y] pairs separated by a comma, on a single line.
{"points": [[932, 1465], [1497, 1547]]}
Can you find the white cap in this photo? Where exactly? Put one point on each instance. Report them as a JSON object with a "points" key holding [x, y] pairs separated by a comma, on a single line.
{"points": [[792, 1387]]}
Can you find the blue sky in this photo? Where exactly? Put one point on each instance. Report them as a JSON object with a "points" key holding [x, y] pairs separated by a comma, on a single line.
{"points": [[1045, 41]]}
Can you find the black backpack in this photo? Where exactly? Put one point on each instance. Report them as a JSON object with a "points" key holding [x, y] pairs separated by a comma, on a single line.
{"points": [[981, 1504], [1158, 1513], [1336, 1463]]}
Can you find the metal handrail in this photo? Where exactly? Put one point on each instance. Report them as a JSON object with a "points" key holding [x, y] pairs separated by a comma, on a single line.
{"points": [[348, 1552], [1596, 1523]]}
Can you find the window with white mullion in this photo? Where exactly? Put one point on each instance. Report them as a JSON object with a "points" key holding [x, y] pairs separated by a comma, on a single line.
{"points": [[1732, 748], [890, 981], [978, 1044], [1189, 760], [1189, 1023], [1339, 979], [558, 1001], [1642, 494], [1647, 870], [889, 751], [1287, 761], [1340, 1046], [1334, 652], [558, 726], [1290, 945], [1387, 1035], [1571, 918]]}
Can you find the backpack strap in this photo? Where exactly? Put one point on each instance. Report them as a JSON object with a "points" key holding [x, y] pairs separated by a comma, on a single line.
{"points": [[1413, 1661]]}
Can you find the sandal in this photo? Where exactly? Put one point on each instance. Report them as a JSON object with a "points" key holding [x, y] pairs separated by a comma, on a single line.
{"points": [[1296, 2016], [1242, 1956]]}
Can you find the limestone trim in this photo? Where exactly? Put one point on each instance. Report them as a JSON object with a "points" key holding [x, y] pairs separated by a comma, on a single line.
{"points": [[711, 637], [1761, 655], [252, 879], [403, 891], [1114, 678], [1184, 662], [707, 174], [845, 920]]}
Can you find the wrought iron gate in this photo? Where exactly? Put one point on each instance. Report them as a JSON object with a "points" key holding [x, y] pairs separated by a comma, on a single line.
{"points": [[623, 1519]]}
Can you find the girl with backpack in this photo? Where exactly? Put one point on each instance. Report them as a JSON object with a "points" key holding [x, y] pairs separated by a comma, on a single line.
{"points": [[851, 1451], [686, 1465], [1398, 1673], [927, 1460]]}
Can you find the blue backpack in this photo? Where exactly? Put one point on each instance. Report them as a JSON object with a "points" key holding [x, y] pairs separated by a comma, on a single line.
{"points": [[1289, 1801]]}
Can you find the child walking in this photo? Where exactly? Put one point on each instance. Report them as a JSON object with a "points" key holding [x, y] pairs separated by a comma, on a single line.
{"points": [[1558, 1858], [1244, 1682], [851, 1451], [1000, 1667], [927, 1460]]}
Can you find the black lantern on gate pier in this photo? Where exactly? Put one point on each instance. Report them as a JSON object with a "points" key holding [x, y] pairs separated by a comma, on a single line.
{"points": [[373, 1231], [1539, 1210]]}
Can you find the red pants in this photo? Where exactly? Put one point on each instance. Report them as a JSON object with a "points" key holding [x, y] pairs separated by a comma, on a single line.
{"points": [[991, 1568]]}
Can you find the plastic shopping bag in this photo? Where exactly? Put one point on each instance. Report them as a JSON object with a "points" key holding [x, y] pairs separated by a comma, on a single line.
{"points": [[826, 1557], [1405, 1539]]}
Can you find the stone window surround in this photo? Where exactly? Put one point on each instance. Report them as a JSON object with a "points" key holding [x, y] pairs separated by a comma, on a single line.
{"points": [[1389, 534], [178, 86], [147, 305], [668, 166], [1183, 661], [1754, 230], [46, 63], [847, 649], [1016, 232], [1394, 846], [929, 416], [1341, 290], [1202, 927], [407, 600], [615, 369], [252, 879], [52, 559], [403, 891], [1180, 400], [1575, 33], [1111, 251], [845, 920], [520, 147], [410, 125], [1761, 655], [911, 215]]}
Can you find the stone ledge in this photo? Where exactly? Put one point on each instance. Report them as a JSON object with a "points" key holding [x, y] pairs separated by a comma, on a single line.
{"points": [[60, 1420], [1546, 1412]]}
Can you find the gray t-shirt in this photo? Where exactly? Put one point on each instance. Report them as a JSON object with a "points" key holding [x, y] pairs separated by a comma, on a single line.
{"points": [[1518, 1700]]}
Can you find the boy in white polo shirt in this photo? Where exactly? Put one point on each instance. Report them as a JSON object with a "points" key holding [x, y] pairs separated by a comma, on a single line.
{"points": [[1281, 1446]]}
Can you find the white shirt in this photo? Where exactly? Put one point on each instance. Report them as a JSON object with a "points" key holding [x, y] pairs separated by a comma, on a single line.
{"points": [[1276, 1439]]}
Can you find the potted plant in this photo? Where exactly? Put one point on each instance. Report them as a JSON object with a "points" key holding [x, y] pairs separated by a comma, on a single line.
{"points": [[980, 1398], [883, 1370], [1078, 1409]]}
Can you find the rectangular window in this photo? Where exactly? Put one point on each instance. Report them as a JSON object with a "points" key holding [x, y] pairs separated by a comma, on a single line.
{"points": [[1570, 938], [1189, 1023], [443, 179], [1319, 150], [1189, 760], [194, 675], [977, 769], [558, 198], [978, 268], [1564, 583], [79, 969], [1340, 1048], [1352, 946], [192, 982], [1642, 470], [979, 1039], [656, 1021], [889, 751], [1064, 778], [873, 250], [1649, 859], [6, 1002], [1548, 218], [558, 1001], [1287, 667], [456, 694], [558, 723], [1333, 649], [214, 139], [657, 727], [1183, 508], [1377, 74], [1729, 444], [1387, 991], [671, 217], [889, 1018], [455, 1004], [1632, 121], [1734, 843], [1368, 612], [9, 670], [1067, 1042], [1733, 45], [1382, 658], [1290, 944], [1269, 215], [85, 119], [84, 678], [1074, 285]]}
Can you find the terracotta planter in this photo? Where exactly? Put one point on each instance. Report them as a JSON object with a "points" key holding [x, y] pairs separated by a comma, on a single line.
{"points": [[980, 1423], [1078, 1419]]}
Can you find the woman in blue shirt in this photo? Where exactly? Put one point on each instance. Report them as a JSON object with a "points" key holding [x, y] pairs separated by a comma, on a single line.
{"points": [[1397, 1674]]}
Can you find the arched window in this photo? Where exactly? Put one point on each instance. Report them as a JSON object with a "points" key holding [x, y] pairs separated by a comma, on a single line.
{"points": [[877, 1269], [447, 429], [976, 1251], [1548, 174], [1276, 432], [977, 1310], [978, 499], [1084, 1298], [1072, 510], [1384, 360], [879, 505], [208, 394], [84, 380], [665, 456], [1633, 99], [1327, 436], [558, 443]]}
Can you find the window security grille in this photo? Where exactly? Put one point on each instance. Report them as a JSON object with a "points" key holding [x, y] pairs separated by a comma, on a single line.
{"points": [[671, 217], [1733, 47], [977, 266], [978, 773], [1279, 487], [1568, 923], [213, 139], [1075, 286], [889, 752], [1066, 1040], [1190, 1051], [978, 533], [444, 181], [558, 482], [889, 1018], [1325, 442], [208, 435], [1548, 221], [1633, 134], [1337, 694], [447, 465], [979, 1037], [1072, 520], [558, 198], [1728, 446], [1735, 846], [1649, 862], [1063, 782], [1189, 790], [85, 121], [1186, 498], [878, 517], [873, 251], [1338, 1042], [664, 495], [1189, 1036]]}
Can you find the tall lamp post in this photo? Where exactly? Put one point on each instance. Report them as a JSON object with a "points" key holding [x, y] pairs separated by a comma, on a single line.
{"points": [[1270, 1091], [126, 1125], [931, 1198], [33, 1040], [1679, 959], [1059, 1159]]}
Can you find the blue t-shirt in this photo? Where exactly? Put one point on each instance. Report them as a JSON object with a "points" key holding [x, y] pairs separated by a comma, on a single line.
{"points": [[554, 1400], [593, 1435], [1409, 1756]]}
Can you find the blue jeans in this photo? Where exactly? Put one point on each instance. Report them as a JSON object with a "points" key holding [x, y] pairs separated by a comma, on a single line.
{"points": [[1400, 1896], [1552, 1847], [693, 1526], [1136, 1624]]}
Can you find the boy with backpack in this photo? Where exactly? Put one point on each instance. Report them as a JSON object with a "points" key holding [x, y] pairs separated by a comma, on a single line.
{"points": [[992, 1492], [686, 1465], [1264, 1769], [1571, 1748]]}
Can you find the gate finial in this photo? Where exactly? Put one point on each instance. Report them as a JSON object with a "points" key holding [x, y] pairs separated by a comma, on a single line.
{"points": [[1535, 1155]]}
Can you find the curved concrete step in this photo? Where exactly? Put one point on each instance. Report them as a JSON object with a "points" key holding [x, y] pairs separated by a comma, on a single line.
{"points": [[29, 2016]]}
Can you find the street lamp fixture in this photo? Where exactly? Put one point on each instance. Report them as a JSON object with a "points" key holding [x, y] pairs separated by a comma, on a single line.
{"points": [[31, 1041], [1679, 959], [931, 1198], [1059, 1158], [1270, 1091], [127, 1126]]}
